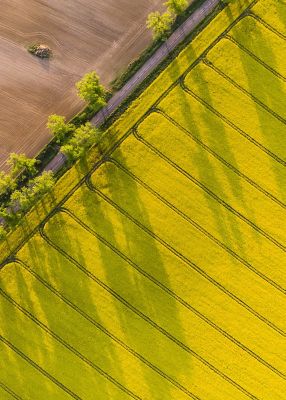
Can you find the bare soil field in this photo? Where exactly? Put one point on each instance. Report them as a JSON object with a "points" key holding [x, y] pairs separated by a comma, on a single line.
{"points": [[104, 35]]}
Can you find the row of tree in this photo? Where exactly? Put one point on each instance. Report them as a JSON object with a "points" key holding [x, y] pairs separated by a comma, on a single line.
{"points": [[22, 199], [74, 142], [160, 23]]}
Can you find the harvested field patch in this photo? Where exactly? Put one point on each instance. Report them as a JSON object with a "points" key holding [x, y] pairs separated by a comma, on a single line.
{"points": [[83, 35], [161, 274]]}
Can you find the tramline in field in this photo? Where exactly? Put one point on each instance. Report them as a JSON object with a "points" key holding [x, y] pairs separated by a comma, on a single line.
{"points": [[161, 274]]}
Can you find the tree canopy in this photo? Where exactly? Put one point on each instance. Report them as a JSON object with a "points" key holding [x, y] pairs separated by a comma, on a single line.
{"points": [[83, 138], [176, 7], [59, 128], [7, 183], [23, 199], [160, 24], [90, 89], [20, 162]]}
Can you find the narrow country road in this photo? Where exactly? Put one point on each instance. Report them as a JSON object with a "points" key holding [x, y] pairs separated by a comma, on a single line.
{"points": [[163, 51]]}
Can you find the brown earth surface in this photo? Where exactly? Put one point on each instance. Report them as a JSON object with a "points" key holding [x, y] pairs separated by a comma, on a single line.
{"points": [[104, 35]]}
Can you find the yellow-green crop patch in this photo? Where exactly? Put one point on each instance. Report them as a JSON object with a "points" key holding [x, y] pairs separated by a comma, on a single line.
{"points": [[160, 274]]}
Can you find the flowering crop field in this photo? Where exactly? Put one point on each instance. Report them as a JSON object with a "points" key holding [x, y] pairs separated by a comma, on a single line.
{"points": [[159, 273]]}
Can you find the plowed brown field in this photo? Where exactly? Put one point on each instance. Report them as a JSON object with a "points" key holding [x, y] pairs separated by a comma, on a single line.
{"points": [[104, 35]]}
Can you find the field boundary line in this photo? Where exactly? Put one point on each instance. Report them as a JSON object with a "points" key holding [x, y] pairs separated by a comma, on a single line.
{"points": [[266, 24], [203, 187], [218, 157], [186, 260], [255, 57], [101, 328], [40, 369], [68, 346], [234, 83], [144, 316], [171, 293], [186, 89], [10, 391], [199, 227]]}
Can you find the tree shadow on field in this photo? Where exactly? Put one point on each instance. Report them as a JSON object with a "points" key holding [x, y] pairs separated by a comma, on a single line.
{"points": [[13, 329], [68, 280], [232, 16], [282, 16], [44, 63], [264, 52], [228, 227], [30, 338], [137, 290]]}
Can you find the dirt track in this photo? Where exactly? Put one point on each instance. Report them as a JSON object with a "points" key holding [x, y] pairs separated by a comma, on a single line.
{"points": [[104, 35]]}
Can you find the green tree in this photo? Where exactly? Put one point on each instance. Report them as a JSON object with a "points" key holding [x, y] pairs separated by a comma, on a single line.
{"points": [[90, 90], [176, 7], [59, 128], [7, 183], [42, 184], [71, 151], [10, 217], [84, 137], [21, 200], [20, 163], [160, 24]]}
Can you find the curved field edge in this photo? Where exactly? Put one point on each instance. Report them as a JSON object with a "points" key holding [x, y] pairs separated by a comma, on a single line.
{"points": [[73, 178]]}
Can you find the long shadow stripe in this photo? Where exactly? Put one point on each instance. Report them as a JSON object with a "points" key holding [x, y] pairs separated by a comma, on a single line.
{"points": [[186, 260], [100, 327], [68, 346], [174, 295], [11, 392], [255, 57], [209, 192], [166, 289], [40, 369], [231, 124], [213, 195], [219, 158], [134, 309], [267, 26], [209, 64], [198, 226]]}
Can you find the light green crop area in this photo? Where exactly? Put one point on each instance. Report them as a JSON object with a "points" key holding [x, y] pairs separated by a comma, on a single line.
{"points": [[161, 274]]}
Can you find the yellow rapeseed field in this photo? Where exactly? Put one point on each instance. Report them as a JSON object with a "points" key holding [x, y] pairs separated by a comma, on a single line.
{"points": [[157, 272]]}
